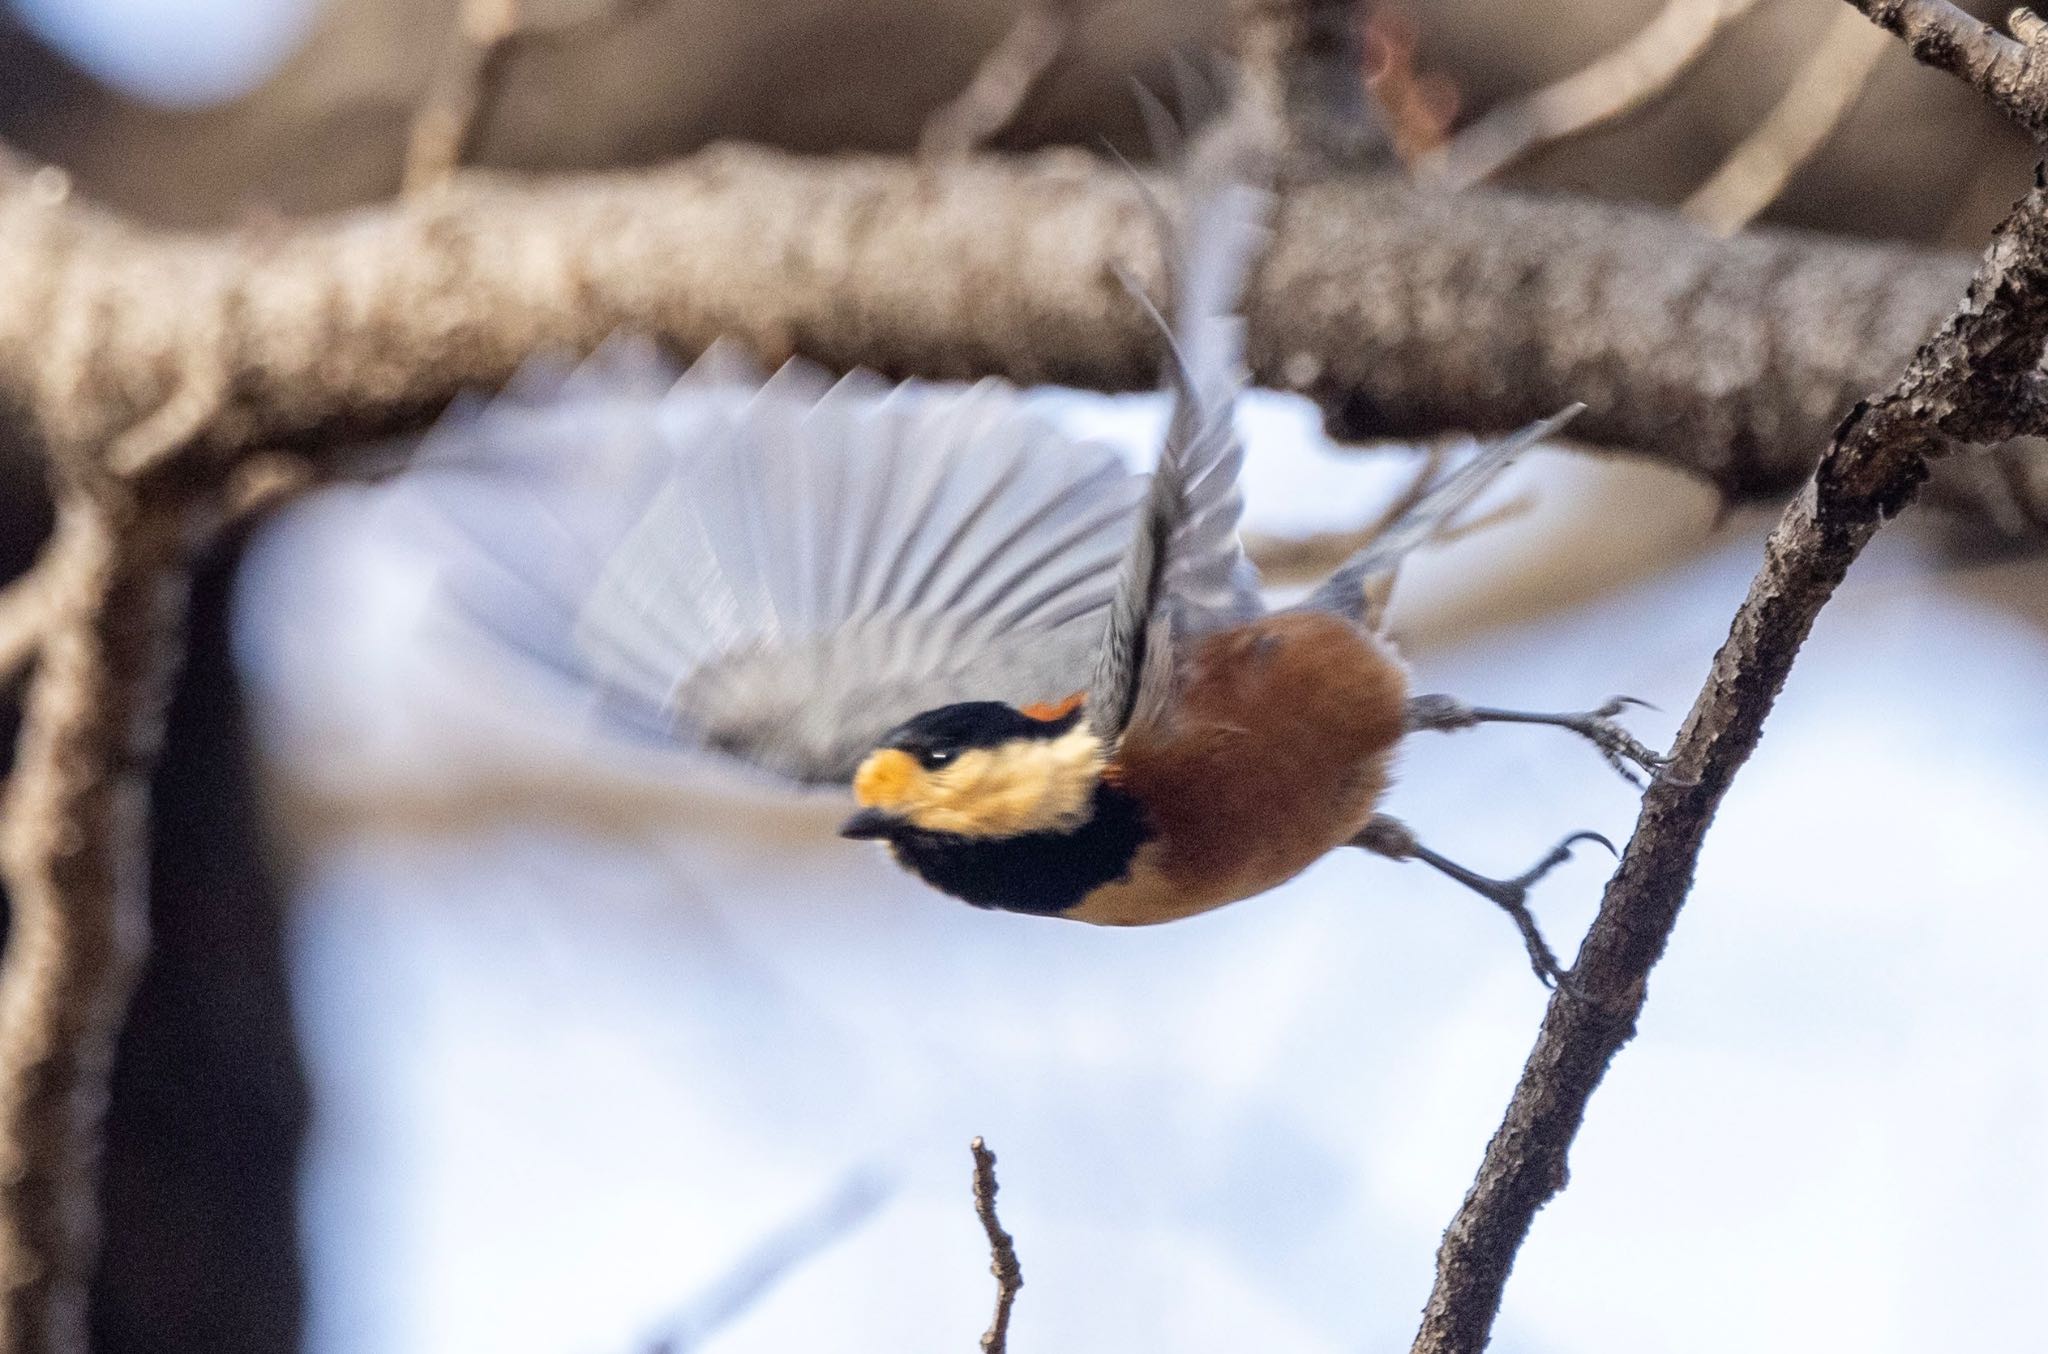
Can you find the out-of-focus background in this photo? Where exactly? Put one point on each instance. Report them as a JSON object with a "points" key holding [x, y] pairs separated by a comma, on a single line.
{"points": [[465, 1034]]}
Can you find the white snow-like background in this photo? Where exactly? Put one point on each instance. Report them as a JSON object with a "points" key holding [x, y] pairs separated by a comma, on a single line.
{"points": [[585, 1037]]}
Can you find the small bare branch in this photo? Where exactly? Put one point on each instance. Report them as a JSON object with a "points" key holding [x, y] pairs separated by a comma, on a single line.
{"points": [[28, 608], [1003, 82], [1618, 84], [72, 849], [488, 35], [2006, 71], [1002, 1251], [444, 129], [1822, 91]]}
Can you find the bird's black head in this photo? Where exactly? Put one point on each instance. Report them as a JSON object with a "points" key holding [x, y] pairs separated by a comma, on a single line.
{"points": [[979, 769], [938, 736]]}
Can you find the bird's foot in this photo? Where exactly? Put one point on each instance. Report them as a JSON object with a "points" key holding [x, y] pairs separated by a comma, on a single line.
{"points": [[1512, 897], [1392, 838], [1616, 745]]}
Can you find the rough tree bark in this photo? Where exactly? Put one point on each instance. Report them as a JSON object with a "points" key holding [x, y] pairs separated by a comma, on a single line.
{"points": [[1403, 311], [1976, 380]]}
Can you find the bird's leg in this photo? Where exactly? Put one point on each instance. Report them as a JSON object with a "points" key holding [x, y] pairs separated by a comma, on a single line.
{"points": [[1445, 714], [1394, 839]]}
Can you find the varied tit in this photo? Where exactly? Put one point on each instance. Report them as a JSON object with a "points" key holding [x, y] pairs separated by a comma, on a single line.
{"points": [[1052, 684]]}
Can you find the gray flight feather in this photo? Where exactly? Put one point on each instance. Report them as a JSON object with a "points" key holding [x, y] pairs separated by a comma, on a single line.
{"points": [[1348, 590], [778, 569], [1185, 572]]}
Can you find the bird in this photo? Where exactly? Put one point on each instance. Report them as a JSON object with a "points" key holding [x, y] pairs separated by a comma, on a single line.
{"points": [[1051, 685]]}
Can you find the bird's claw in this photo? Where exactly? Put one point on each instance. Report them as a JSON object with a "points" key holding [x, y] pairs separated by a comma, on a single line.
{"points": [[1392, 838], [1512, 897], [1618, 747]]}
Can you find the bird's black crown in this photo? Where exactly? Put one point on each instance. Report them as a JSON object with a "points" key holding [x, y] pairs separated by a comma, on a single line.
{"points": [[937, 736]]}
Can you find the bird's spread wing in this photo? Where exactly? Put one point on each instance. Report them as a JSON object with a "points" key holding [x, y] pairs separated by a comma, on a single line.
{"points": [[1349, 590], [1185, 571], [780, 569]]}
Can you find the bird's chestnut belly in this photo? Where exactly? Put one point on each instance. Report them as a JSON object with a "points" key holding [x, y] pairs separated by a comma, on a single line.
{"points": [[1277, 752]]}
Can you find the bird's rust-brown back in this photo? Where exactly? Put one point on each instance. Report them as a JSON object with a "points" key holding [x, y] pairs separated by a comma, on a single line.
{"points": [[1276, 752]]}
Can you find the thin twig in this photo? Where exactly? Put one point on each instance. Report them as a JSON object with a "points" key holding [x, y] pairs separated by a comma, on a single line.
{"points": [[72, 848], [463, 91], [1294, 559], [1973, 381], [1620, 83], [1822, 91], [445, 127], [1002, 1251], [1003, 82], [788, 1248], [29, 606]]}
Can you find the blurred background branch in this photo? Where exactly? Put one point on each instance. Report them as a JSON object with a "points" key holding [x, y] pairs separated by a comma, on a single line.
{"points": [[1394, 308], [489, 35], [1620, 83], [1813, 106], [1002, 82]]}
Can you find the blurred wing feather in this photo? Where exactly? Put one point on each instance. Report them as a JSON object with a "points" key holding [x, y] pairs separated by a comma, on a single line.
{"points": [[1185, 570], [780, 568]]}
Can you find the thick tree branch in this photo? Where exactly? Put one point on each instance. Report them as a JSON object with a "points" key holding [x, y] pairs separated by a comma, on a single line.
{"points": [[1404, 311], [1974, 380]]}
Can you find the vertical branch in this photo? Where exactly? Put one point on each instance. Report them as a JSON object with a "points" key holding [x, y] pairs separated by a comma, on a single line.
{"points": [[1974, 381], [1002, 1251], [1977, 380], [72, 849]]}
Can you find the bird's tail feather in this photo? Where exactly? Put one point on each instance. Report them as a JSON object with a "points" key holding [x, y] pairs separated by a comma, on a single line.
{"points": [[1368, 575]]}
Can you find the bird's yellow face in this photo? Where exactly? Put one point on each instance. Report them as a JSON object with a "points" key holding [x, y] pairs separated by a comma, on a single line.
{"points": [[1039, 782]]}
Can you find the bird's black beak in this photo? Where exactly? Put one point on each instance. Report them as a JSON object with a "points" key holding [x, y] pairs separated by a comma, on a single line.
{"points": [[869, 824]]}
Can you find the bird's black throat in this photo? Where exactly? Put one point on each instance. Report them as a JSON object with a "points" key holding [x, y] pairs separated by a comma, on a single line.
{"points": [[1039, 872]]}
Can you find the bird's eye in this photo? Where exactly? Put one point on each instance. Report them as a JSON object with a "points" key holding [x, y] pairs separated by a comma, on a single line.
{"points": [[931, 759]]}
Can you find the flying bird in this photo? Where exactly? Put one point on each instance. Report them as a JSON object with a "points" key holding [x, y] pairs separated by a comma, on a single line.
{"points": [[1051, 684]]}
